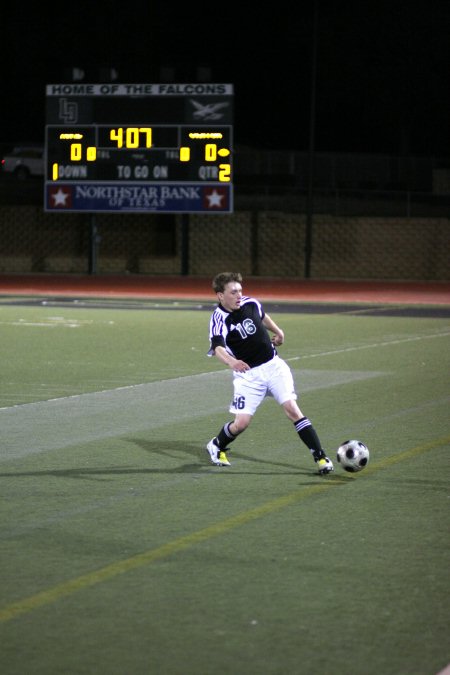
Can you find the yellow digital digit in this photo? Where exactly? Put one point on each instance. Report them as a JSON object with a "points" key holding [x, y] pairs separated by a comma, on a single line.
{"points": [[55, 172], [91, 154], [224, 173], [147, 131], [117, 136], [75, 152], [210, 152], [132, 137], [185, 154]]}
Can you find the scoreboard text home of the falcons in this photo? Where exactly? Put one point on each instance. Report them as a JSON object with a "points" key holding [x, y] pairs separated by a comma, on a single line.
{"points": [[139, 148]]}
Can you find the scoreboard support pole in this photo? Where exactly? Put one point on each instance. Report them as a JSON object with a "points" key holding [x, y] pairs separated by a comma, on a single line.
{"points": [[185, 244], [94, 241]]}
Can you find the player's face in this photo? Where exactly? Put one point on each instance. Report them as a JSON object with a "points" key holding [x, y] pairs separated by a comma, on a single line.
{"points": [[230, 299]]}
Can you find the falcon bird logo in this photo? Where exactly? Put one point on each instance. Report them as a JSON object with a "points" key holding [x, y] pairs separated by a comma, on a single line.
{"points": [[209, 111]]}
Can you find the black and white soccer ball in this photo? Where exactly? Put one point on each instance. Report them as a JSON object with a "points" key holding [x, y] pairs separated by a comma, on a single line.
{"points": [[353, 456]]}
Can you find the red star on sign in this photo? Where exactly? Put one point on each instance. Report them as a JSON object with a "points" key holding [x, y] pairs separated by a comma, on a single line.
{"points": [[215, 198], [60, 197]]}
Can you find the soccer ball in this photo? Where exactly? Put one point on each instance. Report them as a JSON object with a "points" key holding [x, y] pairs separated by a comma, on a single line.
{"points": [[353, 456]]}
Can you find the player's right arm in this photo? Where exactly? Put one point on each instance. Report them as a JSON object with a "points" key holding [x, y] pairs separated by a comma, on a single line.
{"points": [[218, 346], [229, 360]]}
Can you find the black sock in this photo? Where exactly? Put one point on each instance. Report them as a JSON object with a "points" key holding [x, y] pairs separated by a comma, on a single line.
{"points": [[309, 436], [224, 437]]}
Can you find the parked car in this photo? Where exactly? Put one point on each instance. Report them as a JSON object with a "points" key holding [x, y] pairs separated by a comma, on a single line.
{"points": [[23, 162]]}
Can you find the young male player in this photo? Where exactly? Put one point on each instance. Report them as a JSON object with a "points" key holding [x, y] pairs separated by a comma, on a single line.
{"points": [[239, 338]]}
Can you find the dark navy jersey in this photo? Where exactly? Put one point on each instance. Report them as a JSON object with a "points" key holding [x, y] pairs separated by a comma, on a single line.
{"points": [[242, 333]]}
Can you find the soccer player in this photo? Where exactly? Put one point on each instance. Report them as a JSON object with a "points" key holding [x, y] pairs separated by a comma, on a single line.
{"points": [[239, 338]]}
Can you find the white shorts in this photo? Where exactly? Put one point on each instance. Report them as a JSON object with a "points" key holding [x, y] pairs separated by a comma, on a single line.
{"points": [[273, 378]]}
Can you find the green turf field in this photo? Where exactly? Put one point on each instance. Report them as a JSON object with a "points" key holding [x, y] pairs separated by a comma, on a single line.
{"points": [[124, 552]]}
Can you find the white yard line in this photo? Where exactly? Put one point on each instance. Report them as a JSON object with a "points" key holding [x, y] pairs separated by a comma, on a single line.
{"points": [[42, 426], [59, 423]]}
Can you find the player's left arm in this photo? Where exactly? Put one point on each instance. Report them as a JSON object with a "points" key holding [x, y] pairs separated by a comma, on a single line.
{"points": [[278, 335]]}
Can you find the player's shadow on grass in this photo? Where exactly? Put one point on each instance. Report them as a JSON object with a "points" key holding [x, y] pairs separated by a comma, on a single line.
{"points": [[170, 451], [173, 449]]}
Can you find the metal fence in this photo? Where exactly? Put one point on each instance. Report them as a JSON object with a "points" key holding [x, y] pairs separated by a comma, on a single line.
{"points": [[258, 242], [366, 217], [344, 202]]}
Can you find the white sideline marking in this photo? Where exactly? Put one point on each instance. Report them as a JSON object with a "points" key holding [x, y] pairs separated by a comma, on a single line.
{"points": [[83, 418], [372, 345], [293, 358], [59, 423]]}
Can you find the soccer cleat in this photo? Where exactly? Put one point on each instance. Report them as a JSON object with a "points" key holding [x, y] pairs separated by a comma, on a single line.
{"points": [[218, 457], [223, 458], [324, 464]]}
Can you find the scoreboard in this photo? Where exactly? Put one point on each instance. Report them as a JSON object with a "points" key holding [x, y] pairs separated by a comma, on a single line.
{"points": [[139, 148]]}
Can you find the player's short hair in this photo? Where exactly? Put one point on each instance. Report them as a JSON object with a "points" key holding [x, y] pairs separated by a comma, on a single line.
{"points": [[224, 278]]}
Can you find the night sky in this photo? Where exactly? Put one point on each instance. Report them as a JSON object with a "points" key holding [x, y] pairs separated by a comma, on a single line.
{"points": [[382, 67]]}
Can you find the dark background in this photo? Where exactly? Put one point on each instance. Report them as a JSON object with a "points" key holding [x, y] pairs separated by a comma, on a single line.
{"points": [[382, 68]]}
